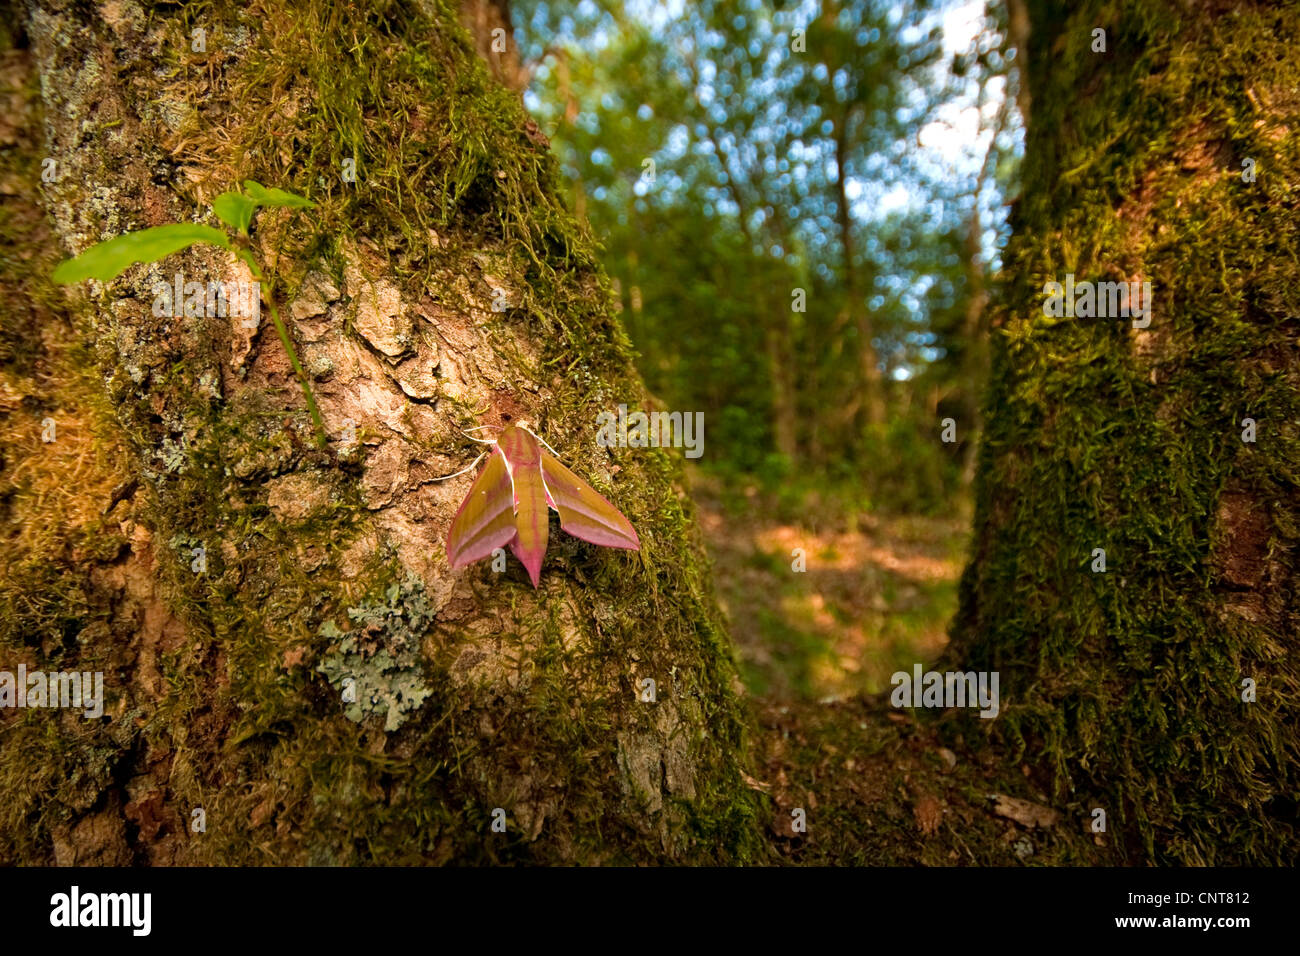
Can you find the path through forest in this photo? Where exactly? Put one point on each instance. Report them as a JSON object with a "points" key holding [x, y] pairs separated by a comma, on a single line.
{"points": [[816, 650]]}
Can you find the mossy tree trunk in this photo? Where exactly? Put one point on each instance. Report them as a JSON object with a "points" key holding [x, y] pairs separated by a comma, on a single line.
{"points": [[446, 287], [1131, 688]]}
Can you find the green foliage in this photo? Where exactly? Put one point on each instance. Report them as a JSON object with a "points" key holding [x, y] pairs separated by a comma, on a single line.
{"points": [[107, 260], [756, 145], [275, 198], [235, 210]]}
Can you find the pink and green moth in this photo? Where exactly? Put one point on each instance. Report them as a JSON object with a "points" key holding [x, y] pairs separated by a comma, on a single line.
{"points": [[508, 502]]}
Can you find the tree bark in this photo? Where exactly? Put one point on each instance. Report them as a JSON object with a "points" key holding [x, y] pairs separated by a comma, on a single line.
{"points": [[1161, 690], [873, 403], [488, 22], [445, 287]]}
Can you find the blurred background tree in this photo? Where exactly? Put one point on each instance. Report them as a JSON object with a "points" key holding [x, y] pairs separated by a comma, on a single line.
{"points": [[800, 205]]}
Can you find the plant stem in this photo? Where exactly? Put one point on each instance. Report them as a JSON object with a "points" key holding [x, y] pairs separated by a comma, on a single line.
{"points": [[321, 440], [283, 332]]}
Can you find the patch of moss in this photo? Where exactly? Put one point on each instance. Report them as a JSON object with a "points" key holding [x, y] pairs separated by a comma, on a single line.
{"points": [[1126, 685]]}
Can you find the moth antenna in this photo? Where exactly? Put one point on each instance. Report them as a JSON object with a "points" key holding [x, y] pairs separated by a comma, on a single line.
{"points": [[486, 441], [543, 441], [524, 426], [463, 470]]}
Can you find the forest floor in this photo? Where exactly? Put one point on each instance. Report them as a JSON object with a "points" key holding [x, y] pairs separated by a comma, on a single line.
{"points": [[816, 648]]}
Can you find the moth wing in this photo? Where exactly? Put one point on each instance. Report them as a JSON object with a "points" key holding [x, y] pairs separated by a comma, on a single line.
{"points": [[486, 519], [583, 512]]}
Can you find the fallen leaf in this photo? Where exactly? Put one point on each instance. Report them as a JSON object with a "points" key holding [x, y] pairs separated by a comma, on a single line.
{"points": [[1023, 812], [928, 812]]}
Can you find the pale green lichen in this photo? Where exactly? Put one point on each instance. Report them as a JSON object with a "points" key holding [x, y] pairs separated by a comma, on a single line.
{"points": [[172, 455], [381, 655], [184, 544]]}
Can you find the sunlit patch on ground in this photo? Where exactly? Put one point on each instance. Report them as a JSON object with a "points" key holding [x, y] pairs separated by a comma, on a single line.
{"points": [[871, 600]]}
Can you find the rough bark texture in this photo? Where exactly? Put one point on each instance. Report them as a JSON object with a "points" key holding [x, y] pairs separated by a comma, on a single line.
{"points": [[488, 22], [1127, 685], [475, 691]]}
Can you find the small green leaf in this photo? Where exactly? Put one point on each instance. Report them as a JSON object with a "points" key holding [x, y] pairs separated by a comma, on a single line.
{"points": [[107, 260], [275, 198], [235, 210]]}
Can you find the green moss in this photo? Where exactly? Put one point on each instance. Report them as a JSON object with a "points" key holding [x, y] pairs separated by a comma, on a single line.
{"points": [[1127, 684]]}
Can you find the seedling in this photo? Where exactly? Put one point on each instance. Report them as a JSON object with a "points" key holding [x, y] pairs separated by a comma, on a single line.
{"points": [[109, 259]]}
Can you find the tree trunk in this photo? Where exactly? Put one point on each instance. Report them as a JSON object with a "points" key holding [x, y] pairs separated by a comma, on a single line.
{"points": [[488, 22], [873, 403], [1132, 686], [442, 287], [974, 340], [780, 361]]}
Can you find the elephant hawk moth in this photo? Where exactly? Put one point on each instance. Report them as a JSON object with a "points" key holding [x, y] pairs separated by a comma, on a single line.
{"points": [[510, 499]]}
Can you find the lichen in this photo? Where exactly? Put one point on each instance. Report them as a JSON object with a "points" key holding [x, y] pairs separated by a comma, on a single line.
{"points": [[379, 659]]}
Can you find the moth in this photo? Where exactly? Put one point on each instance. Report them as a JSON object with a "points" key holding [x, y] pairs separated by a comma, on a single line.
{"points": [[509, 501]]}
